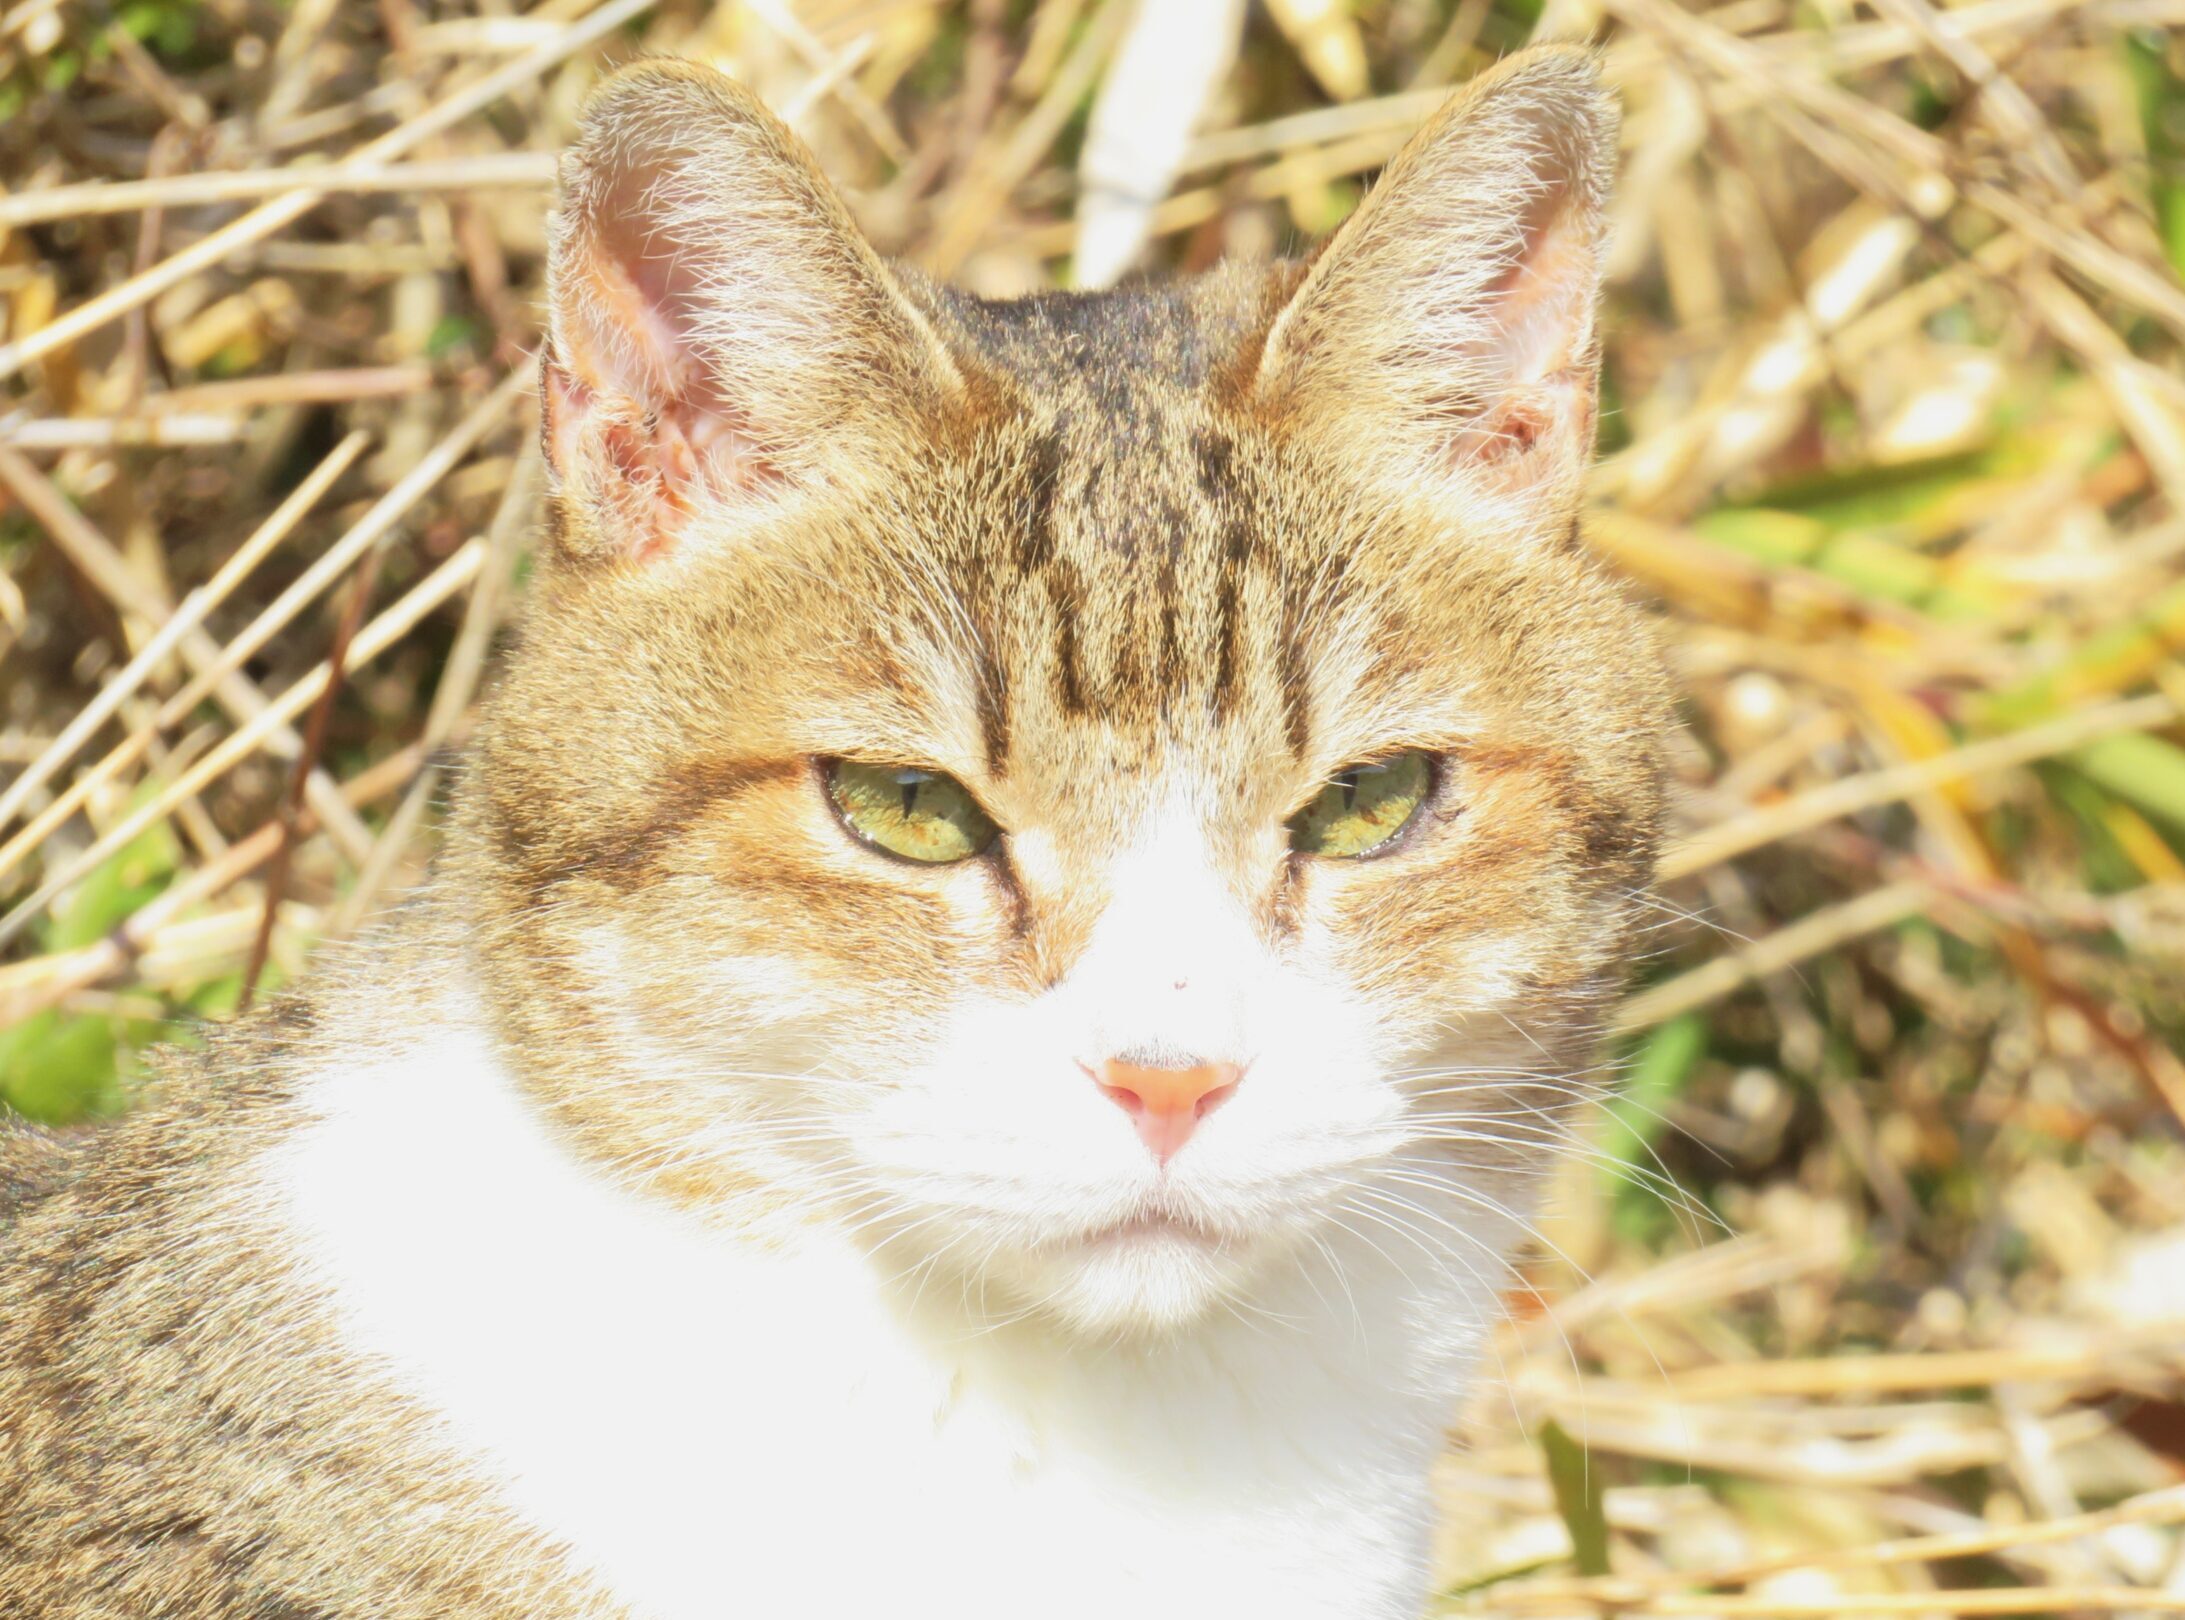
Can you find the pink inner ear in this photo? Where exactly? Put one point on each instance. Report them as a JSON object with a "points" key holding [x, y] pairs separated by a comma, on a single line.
{"points": [[633, 397], [1532, 340], [642, 285], [1542, 306]]}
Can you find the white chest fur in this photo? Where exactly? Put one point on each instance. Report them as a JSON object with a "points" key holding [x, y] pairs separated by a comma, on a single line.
{"points": [[718, 1432]]}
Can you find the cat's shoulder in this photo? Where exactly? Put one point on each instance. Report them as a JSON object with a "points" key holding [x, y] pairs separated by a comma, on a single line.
{"points": [[35, 1163]]}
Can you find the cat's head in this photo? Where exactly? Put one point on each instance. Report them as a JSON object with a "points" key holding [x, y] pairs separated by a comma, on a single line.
{"points": [[1104, 796]]}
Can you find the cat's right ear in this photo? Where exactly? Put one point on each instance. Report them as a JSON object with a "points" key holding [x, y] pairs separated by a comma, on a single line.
{"points": [[722, 334]]}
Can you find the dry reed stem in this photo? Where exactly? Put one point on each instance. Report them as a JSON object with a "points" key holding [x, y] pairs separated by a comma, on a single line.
{"points": [[485, 171], [458, 684], [1003, 164], [168, 430], [269, 217], [1986, 1600], [1878, 1374], [104, 566], [1801, 941], [186, 618], [391, 625], [1849, 795], [2154, 1507], [314, 746], [369, 531]]}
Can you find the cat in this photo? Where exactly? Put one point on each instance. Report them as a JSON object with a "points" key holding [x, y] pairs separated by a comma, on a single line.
{"points": [[1035, 897]]}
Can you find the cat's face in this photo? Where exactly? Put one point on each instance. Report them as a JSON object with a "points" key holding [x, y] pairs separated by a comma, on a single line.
{"points": [[1097, 797]]}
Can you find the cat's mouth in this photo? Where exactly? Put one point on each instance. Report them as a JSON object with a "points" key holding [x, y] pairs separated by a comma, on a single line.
{"points": [[1150, 1226]]}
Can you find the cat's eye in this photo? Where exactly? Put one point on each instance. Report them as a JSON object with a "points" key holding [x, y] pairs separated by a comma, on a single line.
{"points": [[913, 814], [1363, 808]]}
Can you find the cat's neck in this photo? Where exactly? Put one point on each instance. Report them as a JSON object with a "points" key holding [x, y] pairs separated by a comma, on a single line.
{"points": [[622, 1367]]}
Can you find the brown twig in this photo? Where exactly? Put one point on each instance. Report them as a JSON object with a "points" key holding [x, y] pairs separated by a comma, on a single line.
{"points": [[314, 744]]}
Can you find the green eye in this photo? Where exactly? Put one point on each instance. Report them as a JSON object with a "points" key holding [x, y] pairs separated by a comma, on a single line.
{"points": [[1363, 808], [917, 815]]}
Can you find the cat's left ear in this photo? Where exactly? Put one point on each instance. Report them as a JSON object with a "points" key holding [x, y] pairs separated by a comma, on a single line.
{"points": [[1446, 332]]}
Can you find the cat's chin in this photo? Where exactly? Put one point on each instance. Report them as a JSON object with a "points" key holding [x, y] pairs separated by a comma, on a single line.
{"points": [[1139, 1277]]}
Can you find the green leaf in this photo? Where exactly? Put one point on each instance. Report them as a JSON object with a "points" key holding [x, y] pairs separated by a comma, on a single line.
{"points": [[1632, 1122], [1495, 1578], [2108, 870], [1577, 1498], [54, 1067], [452, 332], [1880, 568], [129, 878], [1767, 536], [2146, 772], [2162, 117], [2110, 661], [169, 27], [1867, 497], [56, 1070]]}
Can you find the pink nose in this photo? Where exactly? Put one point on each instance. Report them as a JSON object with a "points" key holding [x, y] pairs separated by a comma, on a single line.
{"points": [[1167, 1104]]}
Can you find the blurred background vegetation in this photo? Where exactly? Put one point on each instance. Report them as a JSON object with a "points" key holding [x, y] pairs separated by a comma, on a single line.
{"points": [[1871, 1299]]}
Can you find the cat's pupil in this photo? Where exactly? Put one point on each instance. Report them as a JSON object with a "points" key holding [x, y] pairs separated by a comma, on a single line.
{"points": [[1350, 780], [910, 784]]}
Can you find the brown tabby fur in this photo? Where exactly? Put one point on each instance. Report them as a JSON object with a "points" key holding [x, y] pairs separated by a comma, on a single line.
{"points": [[1040, 545]]}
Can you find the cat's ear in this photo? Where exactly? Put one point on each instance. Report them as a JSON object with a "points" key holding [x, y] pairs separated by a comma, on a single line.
{"points": [[722, 334], [1446, 331]]}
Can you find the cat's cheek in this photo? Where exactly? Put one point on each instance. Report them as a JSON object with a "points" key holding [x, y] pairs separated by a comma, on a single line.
{"points": [[796, 886]]}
